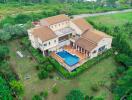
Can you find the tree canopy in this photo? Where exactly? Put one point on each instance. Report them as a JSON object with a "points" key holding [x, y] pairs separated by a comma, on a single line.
{"points": [[75, 95], [5, 93], [124, 85]]}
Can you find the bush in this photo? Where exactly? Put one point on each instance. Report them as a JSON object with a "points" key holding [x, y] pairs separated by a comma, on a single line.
{"points": [[124, 60], [75, 95], [36, 97], [55, 90], [6, 20], [51, 76], [95, 88], [120, 69], [49, 68], [43, 74], [45, 94], [22, 18]]}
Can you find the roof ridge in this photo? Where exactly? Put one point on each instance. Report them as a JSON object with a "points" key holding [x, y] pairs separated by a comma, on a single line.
{"points": [[87, 38]]}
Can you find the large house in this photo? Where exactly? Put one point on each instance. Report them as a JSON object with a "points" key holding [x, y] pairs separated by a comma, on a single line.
{"points": [[76, 36]]}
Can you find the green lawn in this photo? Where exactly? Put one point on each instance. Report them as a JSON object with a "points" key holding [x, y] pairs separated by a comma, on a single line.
{"points": [[114, 19], [96, 74]]}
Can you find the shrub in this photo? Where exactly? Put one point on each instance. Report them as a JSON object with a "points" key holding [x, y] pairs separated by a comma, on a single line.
{"points": [[124, 60], [6, 20], [46, 94], [55, 89], [36, 97], [43, 74], [22, 18], [49, 68], [51, 76], [75, 95], [95, 88], [120, 69]]}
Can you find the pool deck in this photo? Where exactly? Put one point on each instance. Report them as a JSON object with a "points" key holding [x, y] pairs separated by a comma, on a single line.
{"points": [[71, 50]]}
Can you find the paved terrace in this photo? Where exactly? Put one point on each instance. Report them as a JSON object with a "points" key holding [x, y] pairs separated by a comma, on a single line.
{"points": [[64, 31], [74, 52]]}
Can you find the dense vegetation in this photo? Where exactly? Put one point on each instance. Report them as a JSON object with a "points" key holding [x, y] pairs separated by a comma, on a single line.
{"points": [[8, 76], [22, 13], [121, 86]]}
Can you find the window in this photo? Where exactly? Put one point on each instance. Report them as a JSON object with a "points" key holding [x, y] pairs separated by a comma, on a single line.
{"points": [[51, 26], [102, 48], [45, 44], [55, 41], [49, 43], [94, 51]]}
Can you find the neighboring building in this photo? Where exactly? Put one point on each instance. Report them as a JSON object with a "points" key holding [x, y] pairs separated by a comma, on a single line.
{"points": [[54, 33]]}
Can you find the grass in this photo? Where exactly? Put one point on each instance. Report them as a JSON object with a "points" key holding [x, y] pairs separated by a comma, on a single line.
{"points": [[96, 74], [112, 20], [76, 8]]}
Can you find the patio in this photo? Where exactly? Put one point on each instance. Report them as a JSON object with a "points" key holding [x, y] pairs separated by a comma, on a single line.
{"points": [[73, 51], [82, 56]]}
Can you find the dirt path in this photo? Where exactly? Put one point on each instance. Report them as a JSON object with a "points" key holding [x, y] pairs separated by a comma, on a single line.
{"points": [[104, 13]]}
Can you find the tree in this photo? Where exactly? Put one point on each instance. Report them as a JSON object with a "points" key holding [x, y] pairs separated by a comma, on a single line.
{"points": [[5, 36], [4, 51], [75, 95], [19, 30], [55, 90], [5, 93], [17, 87], [36, 97], [122, 1], [124, 84], [22, 18], [124, 59], [49, 68], [111, 3], [43, 74], [45, 94]]}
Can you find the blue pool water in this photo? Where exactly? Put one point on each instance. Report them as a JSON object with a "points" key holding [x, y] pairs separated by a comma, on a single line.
{"points": [[68, 58]]}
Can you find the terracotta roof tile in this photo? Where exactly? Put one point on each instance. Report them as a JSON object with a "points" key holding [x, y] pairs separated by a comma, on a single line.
{"points": [[94, 35], [55, 19], [90, 39], [44, 33], [84, 43], [82, 24]]}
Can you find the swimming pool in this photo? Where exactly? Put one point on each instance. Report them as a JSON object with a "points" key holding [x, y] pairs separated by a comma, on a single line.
{"points": [[68, 58]]}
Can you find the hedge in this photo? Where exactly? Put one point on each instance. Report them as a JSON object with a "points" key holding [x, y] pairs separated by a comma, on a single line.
{"points": [[83, 67]]}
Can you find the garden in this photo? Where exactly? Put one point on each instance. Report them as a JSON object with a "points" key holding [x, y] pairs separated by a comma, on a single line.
{"points": [[33, 86]]}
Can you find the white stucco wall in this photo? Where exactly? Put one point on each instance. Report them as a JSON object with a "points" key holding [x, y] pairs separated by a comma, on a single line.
{"points": [[78, 31], [50, 44], [32, 39], [37, 43], [59, 26], [104, 42]]}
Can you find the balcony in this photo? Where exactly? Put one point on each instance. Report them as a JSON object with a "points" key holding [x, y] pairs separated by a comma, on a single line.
{"points": [[64, 31], [63, 43]]}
